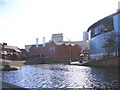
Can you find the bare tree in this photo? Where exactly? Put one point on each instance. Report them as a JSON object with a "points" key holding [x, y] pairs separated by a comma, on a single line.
{"points": [[111, 44]]}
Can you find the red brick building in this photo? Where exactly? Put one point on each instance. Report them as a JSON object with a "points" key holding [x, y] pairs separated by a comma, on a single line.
{"points": [[57, 51]]}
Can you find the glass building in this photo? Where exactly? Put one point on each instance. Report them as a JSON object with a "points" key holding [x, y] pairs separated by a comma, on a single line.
{"points": [[100, 32]]}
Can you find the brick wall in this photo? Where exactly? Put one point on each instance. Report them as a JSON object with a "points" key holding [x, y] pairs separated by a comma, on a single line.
{"points": [[58, 52]]}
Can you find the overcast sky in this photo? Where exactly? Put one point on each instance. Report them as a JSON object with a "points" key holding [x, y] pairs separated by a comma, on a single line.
{"points": [[22, 21]]}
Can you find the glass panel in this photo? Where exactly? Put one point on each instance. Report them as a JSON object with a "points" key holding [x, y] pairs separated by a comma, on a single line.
{"points": [[52, 49]]}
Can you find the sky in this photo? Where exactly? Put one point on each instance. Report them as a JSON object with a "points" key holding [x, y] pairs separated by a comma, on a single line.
{"points": [[22, 21]]}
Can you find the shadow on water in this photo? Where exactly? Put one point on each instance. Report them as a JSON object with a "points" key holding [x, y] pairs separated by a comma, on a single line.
{"points": [[107, 76]]}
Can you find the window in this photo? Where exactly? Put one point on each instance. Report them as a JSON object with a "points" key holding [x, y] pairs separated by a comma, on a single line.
{"points": [[96, 30], [52, 49], [92, 33], [103, 27]]}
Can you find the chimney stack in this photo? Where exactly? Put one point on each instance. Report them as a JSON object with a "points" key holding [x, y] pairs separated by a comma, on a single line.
{"points": [[36, 42], [43, 42], [118, 7]]}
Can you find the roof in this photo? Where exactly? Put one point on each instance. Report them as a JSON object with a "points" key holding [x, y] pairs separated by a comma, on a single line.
{"points": [[66, 43], [58, 43], [98, 22], [12, 47]]}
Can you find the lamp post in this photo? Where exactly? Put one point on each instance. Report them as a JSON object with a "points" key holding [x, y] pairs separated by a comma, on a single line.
{"points": [[70, 53], [70, 48]]}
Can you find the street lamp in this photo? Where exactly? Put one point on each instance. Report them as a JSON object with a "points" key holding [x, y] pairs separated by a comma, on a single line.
{"points": [[70, 53]]}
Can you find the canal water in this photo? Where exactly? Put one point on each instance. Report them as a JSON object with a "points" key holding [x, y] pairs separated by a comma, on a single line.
{"points": [[62, 76]]}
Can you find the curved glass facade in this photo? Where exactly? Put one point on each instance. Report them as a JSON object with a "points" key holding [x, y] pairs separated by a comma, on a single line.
{"points": [[99, 32]]}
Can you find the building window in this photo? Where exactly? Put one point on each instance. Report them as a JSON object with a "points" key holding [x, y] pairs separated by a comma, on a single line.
{"points": [[52, 49], [92, 33], [103, 27], [96, 30]]}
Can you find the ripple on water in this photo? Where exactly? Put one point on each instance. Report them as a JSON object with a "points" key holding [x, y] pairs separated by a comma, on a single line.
{"points": [[61, 76]]}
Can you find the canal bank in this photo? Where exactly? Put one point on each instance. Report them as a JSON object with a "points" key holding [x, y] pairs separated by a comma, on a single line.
{"points": [[8, 65], [45, 61], [107, 62]]}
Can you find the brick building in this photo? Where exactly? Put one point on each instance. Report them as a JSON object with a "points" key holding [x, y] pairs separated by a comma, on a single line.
{"points": [[57, 51], [11, 52]]}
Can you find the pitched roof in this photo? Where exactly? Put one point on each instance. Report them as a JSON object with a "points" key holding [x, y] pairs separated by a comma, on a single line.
{"points": [[66, 43], [12, 47]]}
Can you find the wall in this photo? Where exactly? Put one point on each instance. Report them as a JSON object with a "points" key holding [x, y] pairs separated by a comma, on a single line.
{"points": [[58, 53]]}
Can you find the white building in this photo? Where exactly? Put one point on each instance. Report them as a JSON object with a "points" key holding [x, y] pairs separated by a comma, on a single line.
{"points": [[57, 37], [27, 47]]}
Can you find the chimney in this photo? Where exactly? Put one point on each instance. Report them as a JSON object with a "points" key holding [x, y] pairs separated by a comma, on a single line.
{"points": [[36, 42], [43, 42], [118, 10]]}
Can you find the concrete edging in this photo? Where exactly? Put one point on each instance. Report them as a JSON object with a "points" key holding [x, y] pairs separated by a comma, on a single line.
{"points": [[11, 86]]}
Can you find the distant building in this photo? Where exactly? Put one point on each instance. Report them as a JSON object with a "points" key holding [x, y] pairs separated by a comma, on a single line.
{"points": [[57, 37], [85, 36], [58, 51], [82, 44], [27, 47], [11, 52], [99, 31]]}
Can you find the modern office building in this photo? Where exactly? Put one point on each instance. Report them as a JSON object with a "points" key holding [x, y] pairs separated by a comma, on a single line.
{"points": [[100, 32]]}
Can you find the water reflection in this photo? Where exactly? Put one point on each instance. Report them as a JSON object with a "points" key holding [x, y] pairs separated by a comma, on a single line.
{"points": [[62, 76]]}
